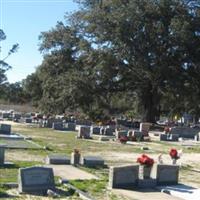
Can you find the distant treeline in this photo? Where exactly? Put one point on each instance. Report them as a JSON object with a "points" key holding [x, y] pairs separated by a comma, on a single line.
{"points": [[133, 57]]}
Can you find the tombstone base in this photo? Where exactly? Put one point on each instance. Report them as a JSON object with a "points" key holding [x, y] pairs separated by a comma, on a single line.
{"points": [[58, 159], [92, 161], [147, 183]]}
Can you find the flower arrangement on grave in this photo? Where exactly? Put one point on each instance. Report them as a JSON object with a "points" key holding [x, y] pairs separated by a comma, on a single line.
{"points": [[123, 139], [145, 160], [167, 129], [146, 163], [174, 155]]}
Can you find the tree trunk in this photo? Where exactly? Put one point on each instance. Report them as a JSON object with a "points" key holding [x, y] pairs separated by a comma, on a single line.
{"points": [[150, 102]]}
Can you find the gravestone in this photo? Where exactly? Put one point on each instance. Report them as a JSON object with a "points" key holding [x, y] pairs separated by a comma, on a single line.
{"points": [[163, 137], [138, 135], [112, 127], [124, 176], [28, 120], [197, 137], [102, 130], [108, 131], [144, 128], [35, 180], [184, 132], [5, 129], [84, 132], [95, 130], [16, 117], [83, 122], [120, 133], [5, 115], [57, 126], [174, 137], [165, 174], [147, 183], [58, 159], [92, 161], [70, 126], [2, 154], [50, 121]]}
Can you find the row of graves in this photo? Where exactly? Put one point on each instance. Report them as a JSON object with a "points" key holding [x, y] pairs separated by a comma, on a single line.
{"points": [[40, 180], [115, 132], [145, 173], [180, 133], [15, 140]]}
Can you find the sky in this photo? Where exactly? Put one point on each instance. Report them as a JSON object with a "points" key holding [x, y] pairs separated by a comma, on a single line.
{"points": [[22, 21]]}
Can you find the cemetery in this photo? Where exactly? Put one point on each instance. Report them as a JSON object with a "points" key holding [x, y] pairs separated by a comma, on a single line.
{"points": [[39, 161], [100, 99]]}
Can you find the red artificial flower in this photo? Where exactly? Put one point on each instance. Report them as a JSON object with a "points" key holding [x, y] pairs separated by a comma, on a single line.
{"points": [[167, 129], [123, 139], [174, 154], [145, 160]]}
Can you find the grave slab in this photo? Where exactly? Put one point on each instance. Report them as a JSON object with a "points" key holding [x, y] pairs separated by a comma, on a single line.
{"points": [[19, 144], [181, 191], [144, 194], [70, 172], [57, 159], [92, 161]]}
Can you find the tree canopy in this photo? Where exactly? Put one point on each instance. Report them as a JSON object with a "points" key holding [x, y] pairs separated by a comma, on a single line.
{"points": [[113, 56]]}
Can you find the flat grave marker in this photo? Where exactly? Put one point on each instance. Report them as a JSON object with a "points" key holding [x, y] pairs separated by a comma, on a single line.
{"points": [[58, 159]]}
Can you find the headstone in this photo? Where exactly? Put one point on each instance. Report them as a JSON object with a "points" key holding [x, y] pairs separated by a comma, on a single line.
{"points": [[174, 137], [144, 128], [92, 161], [50, 121], [108, 131], [58, 159], [185, 132], [28, 120], [112, 127], [138, 135], [35, 180], [163, 137], [165, 174], [16, 116], [2, 154], [84, 132], [5, 129], [84, 122], [196, 137], [70, 126], [95, 130], [5, 115], [102, 130], [124, 176], [57, 126], [120, 133]]}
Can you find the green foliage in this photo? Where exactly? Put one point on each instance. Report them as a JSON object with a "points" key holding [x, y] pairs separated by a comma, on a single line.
{"points": [[114, 55]]}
